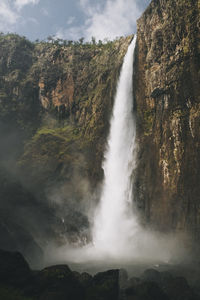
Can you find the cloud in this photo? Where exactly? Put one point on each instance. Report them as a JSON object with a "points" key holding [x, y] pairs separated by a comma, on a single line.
{"points": [[33, 20], [72, 33], [8, 17], [109, 19], [117, 18], [90, 7], [44, 11], [19, 4], [70, 20], [10, 13]]}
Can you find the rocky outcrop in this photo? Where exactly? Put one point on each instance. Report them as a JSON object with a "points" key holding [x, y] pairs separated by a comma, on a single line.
{"points": [[168, 108], [18, 281]]}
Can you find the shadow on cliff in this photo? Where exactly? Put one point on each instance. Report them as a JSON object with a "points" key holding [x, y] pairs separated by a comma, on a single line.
{"points": [[34, 212]]}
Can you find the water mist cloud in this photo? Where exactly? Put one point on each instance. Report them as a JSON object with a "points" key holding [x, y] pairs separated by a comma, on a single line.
{"points": [[147, 248]]}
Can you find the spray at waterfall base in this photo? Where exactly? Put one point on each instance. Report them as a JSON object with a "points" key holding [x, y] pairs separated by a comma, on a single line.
{"points": [[117, 234]]}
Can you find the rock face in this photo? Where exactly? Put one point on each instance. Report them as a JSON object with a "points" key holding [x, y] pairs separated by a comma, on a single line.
{"points": [[76, 89], [167, 81]]}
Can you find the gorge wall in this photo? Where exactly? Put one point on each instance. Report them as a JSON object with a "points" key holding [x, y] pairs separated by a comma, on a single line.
{"points": [[167, 82], [55, 105]]}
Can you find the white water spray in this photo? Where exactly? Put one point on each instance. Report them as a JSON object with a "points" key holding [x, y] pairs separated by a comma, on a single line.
{"points": [[115, 223]]}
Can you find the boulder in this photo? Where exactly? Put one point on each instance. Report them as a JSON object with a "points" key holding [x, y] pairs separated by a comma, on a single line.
{"points": [[57, 282], [105, 286], [14, 270]]}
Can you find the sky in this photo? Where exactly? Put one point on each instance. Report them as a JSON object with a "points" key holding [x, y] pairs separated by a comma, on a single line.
{"points": [[71, 19]]}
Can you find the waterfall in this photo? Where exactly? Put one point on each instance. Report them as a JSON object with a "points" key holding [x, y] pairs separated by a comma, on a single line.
{"points": [[117, 235], [114, 222]]}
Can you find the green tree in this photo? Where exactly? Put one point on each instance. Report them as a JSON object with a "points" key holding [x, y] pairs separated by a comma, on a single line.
{"points": [[50, 39], [93, 40], [100, 43], [81, 40]]}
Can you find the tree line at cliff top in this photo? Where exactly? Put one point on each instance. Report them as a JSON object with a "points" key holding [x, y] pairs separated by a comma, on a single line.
{"points": [[64, 42]]}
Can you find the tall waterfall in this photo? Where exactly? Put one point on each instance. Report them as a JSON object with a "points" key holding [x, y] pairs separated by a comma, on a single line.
{"points": [[115, 223], [117, 235]]}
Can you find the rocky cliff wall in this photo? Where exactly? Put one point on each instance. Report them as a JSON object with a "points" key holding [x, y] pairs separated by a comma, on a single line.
{"points": [[55, 103], [76, 89], [167, 82]]}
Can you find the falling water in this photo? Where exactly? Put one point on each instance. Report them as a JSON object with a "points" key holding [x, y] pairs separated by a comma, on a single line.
{"points": [[115, 223]]}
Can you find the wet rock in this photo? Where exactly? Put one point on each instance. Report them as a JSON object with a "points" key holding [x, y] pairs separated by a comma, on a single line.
{"points": [[143, 291], [105, 286], [151, 275], [174, 287], [150, 291], [14, 270], [123, 278], [57, 282], [178, 289], [15, 238], [84, 278]]}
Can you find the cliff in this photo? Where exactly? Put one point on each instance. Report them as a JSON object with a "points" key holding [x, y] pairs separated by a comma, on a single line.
{"points": [[167, 94], [55, 104]]}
